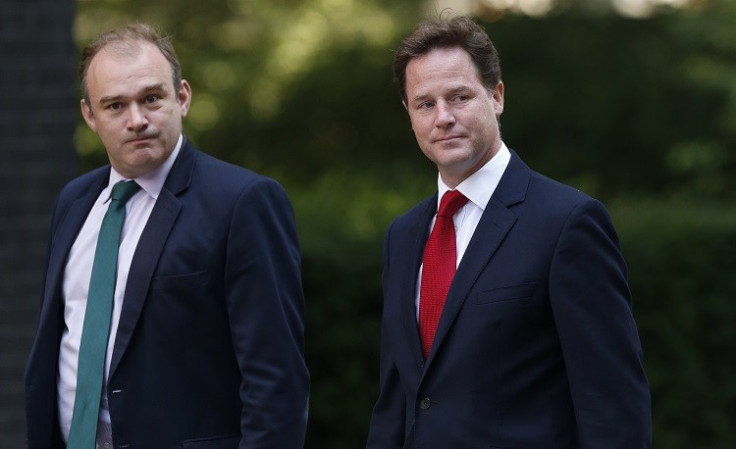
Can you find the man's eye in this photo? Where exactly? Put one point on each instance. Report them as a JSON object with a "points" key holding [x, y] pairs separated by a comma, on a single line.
{"points": [[150, 99], [426, 105], [115, 106]]}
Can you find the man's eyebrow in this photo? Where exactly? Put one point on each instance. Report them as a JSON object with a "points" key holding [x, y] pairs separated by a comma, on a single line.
{"points": [[110, 99], [417, 98], [452, 90], [456, 89], [152, 88]]}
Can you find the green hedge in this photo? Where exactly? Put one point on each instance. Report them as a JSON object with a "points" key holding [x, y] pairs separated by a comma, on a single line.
{"points": [[682, 271], [681, 262], [342, 220]]}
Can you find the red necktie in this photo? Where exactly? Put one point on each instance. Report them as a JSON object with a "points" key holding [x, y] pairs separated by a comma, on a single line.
{"points": [[439, 267]]}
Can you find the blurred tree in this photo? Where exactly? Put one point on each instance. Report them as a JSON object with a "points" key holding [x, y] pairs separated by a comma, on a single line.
{"points": [[292, 87], [301, 88], [681, 259], [622, 108]]}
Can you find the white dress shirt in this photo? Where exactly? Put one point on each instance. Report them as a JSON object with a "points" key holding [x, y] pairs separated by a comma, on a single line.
{"points": [[77, 277], [478, 189]]}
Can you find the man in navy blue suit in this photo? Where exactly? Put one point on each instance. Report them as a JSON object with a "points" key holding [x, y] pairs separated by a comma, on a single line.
{"points": [[206, 333], [525, 338]]}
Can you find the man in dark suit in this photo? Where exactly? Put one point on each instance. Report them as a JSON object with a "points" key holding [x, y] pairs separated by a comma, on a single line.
{"points": [[203, 345], [507, 317]]}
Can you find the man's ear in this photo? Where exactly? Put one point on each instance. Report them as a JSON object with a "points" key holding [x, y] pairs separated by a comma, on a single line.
{"points": [[87, 114], [185, 97], [497, 95]]}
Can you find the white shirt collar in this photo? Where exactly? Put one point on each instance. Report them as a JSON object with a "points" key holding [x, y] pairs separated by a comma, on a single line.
{"points": [[151, 182], [479, 187]]}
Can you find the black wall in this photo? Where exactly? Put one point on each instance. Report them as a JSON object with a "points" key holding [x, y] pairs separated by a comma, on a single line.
{"points": [[38, 113]]}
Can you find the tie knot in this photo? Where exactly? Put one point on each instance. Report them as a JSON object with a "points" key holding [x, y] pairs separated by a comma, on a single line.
{"points": [[451, 202], [123, 190]]}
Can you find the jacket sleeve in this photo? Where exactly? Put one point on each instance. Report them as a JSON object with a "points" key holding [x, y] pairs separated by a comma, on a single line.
{"points": [[387, 422], [591, 303], [265, 304]]}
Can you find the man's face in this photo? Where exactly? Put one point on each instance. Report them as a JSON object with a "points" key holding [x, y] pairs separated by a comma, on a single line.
{"points": [[134, 107], [454, 117]]}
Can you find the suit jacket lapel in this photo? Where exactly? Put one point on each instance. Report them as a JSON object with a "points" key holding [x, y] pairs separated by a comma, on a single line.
{"points": [[412, 262], [149, 249], [64, 236], [496, 221]]}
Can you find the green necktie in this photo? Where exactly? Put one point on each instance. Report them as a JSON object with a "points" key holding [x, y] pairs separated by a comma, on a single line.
{"points": [[96, 329]]}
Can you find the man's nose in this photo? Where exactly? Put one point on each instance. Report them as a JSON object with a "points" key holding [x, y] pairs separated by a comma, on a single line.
{"points": [[137, 117], [445, 115]]}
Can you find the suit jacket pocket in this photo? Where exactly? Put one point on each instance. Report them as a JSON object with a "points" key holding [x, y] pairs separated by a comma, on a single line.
{"points": [[221, 442], [182, 281], [503, 294]]}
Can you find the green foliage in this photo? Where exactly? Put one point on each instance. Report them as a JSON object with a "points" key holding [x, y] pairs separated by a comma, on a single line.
{"points": [[341, 220], [623, 109], [682, 261], [681, 258], [289, 88], [610, 104], [300, 89]]}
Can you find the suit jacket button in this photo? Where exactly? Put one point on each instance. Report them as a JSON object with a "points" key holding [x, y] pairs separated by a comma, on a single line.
{"points": [[424, 403]]}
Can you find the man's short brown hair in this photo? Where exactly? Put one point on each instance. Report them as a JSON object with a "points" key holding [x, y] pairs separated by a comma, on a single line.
{"points": [[461, 32], [123, 38]]}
